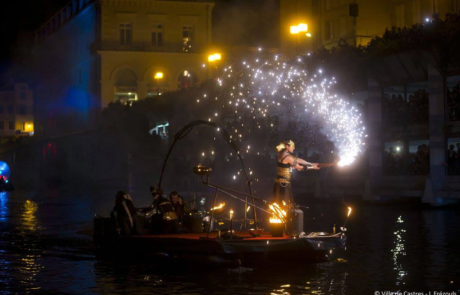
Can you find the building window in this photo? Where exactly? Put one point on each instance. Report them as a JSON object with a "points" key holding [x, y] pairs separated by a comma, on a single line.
{"points": [[187, 79], [436, 7], [453, 98], [1, 125], [453, 153], [157, 35], [400, 16], [343, 26], [416, 12], [11, 125], [187, 38], [1, 109], [455, 5], [22, 110], [329, 30], [10, 109], [23, 95], [126, 34]]}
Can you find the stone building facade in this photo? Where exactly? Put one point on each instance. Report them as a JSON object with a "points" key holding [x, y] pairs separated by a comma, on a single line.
{"points": [[92, 53]]}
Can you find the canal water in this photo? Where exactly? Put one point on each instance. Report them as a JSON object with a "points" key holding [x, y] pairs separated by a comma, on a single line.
{"points": [[45, 248]]}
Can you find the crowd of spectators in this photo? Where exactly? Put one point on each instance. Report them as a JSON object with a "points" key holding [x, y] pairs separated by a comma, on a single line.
{"points": [[453, 102], [400, 163], [453, 159], [434, 31], [398, 110]]}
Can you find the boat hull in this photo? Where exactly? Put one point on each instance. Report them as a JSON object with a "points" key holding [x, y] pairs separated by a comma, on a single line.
{"points": [[245, 250]]}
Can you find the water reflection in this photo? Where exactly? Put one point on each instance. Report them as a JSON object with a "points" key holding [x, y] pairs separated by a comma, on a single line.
{"points": [[3, 206], [29, 249], [399, 250], [40, 249]]}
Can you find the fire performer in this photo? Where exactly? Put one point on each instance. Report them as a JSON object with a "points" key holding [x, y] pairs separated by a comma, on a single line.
{"points": [[287, 161]]}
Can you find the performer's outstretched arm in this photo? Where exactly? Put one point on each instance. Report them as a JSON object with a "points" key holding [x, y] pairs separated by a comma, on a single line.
{"points": [[300, 164]]}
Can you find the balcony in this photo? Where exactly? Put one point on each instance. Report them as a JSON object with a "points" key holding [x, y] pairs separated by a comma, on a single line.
{"points": [[144, 46]]}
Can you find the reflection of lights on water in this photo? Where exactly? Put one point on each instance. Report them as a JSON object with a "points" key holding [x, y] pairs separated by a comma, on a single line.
{"points": [[29, 267], [3, 206], [29, 220], [398, 251]]}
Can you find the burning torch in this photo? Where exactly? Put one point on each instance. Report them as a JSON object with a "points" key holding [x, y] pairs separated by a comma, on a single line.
{"points": [[348, 215]]}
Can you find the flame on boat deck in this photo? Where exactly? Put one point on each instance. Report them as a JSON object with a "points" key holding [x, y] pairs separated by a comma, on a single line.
{"points": [[278, 215]]}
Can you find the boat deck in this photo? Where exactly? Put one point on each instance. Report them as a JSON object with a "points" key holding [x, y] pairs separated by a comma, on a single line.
{"points": [[213, 235]]}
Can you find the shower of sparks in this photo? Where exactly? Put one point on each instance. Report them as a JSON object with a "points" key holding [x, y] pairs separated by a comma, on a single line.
{"points": [[272, 86]]}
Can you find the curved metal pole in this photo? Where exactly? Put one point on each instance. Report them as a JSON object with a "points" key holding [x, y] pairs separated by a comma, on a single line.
{"points": [[186, 130]]}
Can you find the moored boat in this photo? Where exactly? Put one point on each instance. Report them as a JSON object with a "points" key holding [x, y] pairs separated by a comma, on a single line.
{"points": [[240, 249]]}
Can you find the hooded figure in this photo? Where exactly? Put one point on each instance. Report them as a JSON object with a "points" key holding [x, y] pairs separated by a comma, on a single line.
{"points": [[127, 221]]}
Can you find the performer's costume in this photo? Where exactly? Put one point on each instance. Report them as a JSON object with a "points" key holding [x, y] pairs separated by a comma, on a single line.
{"points": [[283, 181]]}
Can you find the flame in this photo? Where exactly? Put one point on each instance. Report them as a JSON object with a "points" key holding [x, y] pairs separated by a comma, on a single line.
{"points": [[221, 205], [279, 215], [275, 220], [349, 211]]}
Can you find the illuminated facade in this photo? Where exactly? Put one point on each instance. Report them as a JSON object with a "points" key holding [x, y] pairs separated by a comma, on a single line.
{"points": [[92, 53], [16, 111], [355, 22]]}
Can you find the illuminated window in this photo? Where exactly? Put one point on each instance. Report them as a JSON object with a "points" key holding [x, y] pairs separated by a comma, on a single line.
{"points": [[126, 34], [157, 35], [187, 79], [187, 38]]}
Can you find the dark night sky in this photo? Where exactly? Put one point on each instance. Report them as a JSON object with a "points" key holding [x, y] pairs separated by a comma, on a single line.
{"points": [[235, 22]]}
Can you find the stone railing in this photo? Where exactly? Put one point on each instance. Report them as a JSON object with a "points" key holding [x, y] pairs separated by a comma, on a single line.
{"points": [[145, 47]]}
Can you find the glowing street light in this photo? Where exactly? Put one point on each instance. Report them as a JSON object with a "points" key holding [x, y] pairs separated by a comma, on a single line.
{"points": [[299, 28], [302, 27], [158, 77], [294, 30], [214, 57]]}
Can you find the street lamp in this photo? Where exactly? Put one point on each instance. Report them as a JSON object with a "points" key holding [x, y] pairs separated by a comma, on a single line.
{"points": [[302, 27], [296, 30], [214, 57], [158, 77]]}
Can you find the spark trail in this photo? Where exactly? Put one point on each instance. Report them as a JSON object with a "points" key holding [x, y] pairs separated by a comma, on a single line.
{"points": [[272, 86]]}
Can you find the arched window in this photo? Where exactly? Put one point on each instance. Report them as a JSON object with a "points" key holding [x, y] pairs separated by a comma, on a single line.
{"points": [[187, 79], [125, 86]]}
